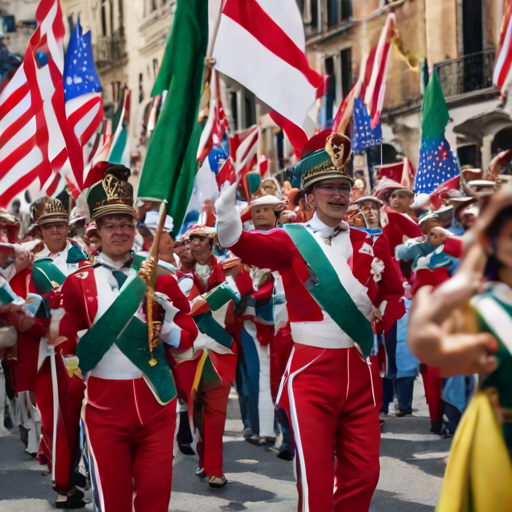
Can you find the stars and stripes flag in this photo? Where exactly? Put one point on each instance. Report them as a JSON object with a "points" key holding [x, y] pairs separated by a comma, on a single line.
{"points": [[82, 89], [437, 162], [365, 100], [35, 140], [502, 69], [261, 44]]}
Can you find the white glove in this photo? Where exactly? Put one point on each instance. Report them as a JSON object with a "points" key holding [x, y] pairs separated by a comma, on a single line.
{"points": [[170, 309], [229, 224], [171, 334]]}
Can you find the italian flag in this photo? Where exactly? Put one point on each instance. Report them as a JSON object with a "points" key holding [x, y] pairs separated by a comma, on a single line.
{"points": [[170, 165]]}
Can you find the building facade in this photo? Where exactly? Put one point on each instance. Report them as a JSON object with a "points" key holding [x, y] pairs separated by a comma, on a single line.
{"points": [[456, 37]]}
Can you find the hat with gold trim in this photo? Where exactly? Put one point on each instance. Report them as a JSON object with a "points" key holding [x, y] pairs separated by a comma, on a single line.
{"points": [[46, 210], [324, 157], [113, 195], [202, 232]]}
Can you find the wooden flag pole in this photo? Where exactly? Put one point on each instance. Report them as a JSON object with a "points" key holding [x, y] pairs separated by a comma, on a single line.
{"points": [[153, 255]]}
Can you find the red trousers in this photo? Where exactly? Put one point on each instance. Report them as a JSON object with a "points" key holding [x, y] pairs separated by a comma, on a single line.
{"points": [[210, 408], [130, 439], [433, 392], [71, 394], [331, 402]]}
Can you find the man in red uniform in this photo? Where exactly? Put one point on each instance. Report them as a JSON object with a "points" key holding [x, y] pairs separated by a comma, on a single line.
{"points": [[328, 386], [130, 414], [42, 371]]}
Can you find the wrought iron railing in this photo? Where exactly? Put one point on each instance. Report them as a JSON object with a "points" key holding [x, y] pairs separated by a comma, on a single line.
{"points": [[110, 50], [466, 74]]}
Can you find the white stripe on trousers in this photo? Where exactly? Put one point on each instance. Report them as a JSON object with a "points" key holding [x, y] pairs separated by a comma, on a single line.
{"points": [[296, 431]]}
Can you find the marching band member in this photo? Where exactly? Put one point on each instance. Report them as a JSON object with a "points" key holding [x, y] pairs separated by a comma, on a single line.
{"points": [[130, 411], [337, 406]]}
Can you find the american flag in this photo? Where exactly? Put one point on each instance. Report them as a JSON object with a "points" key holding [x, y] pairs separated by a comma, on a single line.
{"points": [[82, 90], [34, 139], [364, 136], [502, 70]]}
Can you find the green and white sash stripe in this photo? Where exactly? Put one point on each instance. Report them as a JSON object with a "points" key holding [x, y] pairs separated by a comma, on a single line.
{"points": [[104, 333], [334, 287]]}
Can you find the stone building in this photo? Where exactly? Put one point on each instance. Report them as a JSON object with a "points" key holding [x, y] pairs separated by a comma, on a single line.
{"points": [[457, 37]]}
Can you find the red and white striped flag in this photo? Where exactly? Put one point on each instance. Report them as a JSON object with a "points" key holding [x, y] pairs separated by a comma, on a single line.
{"points": [[243, 148], [34, 137], [376, 87], [217, 122], [261, 44], [502, 69]]}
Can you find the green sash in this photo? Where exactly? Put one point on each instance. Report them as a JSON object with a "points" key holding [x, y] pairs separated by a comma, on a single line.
{"points": [[328, 291], [46, 275], [119, 326], [208, 325]]}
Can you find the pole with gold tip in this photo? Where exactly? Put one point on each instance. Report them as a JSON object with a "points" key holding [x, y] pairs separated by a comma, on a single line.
{"points": [[150, 279]]}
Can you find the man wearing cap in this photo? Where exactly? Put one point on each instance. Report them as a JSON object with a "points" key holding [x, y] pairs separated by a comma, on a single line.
{"points": [[205, 374], [58, 258], [130, 413], [398, 222], [328, 387], [256, 332]]}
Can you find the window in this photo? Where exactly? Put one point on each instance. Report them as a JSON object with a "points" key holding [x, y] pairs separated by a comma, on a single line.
{"points": [[141, 87], [346, 9], [234, 110], [153, 5], [250, 112], [332, 13], [346, 71], [104, 18]]}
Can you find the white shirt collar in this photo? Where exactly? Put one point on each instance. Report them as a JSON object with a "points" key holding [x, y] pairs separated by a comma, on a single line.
{"points": [[45, 253], [316, 225], [109, 262]]}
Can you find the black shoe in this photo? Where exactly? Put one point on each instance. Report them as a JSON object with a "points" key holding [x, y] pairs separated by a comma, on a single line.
{"points": [[186, 449], [23, 434], [400, 413], [436, 427], [285, 453], [75, 500]]}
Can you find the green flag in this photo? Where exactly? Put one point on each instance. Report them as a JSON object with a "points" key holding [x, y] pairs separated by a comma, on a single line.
{"points": [[170, 165]]}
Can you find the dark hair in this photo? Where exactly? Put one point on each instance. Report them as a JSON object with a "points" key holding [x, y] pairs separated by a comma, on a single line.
{"points": [[493, 264]]}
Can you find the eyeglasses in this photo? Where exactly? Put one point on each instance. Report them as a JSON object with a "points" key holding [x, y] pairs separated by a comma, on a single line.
{"points": [[331, 189]]}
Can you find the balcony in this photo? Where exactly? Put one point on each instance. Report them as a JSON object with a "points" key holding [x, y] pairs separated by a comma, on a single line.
{"points": [[110, 51], [467, 76]]}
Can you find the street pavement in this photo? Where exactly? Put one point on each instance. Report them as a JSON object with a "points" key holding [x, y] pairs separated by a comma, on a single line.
{"points": [[412, 466]]}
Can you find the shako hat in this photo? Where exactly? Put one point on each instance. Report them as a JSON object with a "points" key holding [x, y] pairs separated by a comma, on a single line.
{"points": [[324, 157], [46, 210], [113, 194]]}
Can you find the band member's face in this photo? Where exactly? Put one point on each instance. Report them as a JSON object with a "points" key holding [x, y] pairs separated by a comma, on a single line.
{"points": [[357, 221], [166, 245], [401, 201], [331, 199], [269, 188], [55, 236], [263, 217], [200, 248], [117, 234], [371, 211]]}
